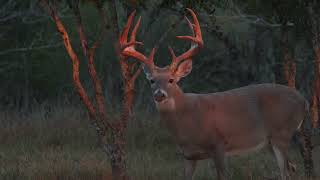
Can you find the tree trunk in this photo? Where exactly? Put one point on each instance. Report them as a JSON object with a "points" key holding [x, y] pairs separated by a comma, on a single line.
{"points": [[316, 90], [116, 148], [288, 60], [116, 152], [290, 75]]}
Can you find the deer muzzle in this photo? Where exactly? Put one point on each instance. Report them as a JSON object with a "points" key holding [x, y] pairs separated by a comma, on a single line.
{"points": [[159, 95]]}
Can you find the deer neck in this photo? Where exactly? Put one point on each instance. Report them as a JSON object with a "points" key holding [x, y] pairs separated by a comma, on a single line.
{"points": [[173, 104], [172, 112]]}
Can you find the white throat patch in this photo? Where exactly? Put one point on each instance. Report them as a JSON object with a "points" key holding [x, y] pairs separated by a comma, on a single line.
{"points": [[166, 105]]}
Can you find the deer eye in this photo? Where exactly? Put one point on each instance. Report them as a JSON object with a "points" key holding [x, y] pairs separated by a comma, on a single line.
{"points": [[171, 81], [152, 81]]}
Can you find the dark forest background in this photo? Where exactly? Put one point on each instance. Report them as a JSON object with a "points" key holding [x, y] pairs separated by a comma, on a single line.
{"points": [[44, 126], [242, 46]]}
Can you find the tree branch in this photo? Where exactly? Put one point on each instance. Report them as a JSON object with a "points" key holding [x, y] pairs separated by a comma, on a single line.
{"points": [[33, 48], [75, 64], [89, 53]]}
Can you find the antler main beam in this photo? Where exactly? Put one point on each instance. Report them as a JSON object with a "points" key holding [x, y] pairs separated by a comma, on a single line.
{"points": [[128, 47], [196, 42]]}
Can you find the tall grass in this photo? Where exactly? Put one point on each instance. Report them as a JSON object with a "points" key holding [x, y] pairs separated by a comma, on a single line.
{"points": [[57, 142]]}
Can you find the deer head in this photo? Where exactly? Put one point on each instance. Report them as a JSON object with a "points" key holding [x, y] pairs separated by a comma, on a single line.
{"points": [[164, 80]]}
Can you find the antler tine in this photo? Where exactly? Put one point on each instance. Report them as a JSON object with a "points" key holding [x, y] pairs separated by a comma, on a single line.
{"points": [[128, 48], [196, 42], [125, 32], [134, 31], [150, 62]]}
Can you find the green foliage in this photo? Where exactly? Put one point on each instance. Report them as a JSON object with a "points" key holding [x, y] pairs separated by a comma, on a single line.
{"points": [[191, 3], [280, 11]]}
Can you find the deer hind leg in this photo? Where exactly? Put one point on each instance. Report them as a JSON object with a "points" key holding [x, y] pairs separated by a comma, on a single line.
{"points": [[283, 162], [292, 167], [189, 168]]}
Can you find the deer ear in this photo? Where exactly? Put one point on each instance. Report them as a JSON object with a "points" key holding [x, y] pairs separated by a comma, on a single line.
{"points": [[184, 69], [147, 72]]}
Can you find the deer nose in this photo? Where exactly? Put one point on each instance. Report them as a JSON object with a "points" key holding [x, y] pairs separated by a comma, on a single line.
{"points": [[159, 95]]}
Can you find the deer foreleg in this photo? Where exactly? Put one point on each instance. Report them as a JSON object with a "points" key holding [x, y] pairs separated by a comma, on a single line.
{"points": [[219, 161], [189, 168]]}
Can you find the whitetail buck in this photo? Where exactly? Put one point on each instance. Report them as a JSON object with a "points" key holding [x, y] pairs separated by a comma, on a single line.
{"points": [[219, 124]]}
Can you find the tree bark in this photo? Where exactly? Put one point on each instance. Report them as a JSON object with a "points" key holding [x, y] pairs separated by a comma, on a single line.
{"points": [[288, 60], [315, 31], [117, 149], [290, 75]]}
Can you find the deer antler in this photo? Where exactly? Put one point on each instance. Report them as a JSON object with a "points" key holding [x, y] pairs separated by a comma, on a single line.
{"points": [[196, 42], [128, 47]]}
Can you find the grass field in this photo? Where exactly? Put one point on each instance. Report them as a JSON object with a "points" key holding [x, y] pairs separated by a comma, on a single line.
{"points": [[60, 144]]}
